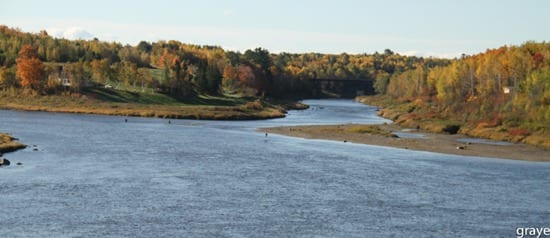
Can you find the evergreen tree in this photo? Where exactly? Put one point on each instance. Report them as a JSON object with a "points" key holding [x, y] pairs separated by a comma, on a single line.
{"points": [[213, 78]]}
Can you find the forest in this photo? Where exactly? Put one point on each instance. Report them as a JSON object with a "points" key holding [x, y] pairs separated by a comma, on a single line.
{"points": [[43, 64], [503, 94], [503, 91]]}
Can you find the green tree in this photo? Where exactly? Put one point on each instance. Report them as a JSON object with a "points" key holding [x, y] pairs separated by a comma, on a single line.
{"points": [[200, 76], [128, 73], [7, 78], [213, 78], [77, 74], [381, 82], [144, 78], [101, 71], [261, 59]]}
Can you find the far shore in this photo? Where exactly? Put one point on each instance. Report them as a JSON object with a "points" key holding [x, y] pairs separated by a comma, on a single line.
{"points": [[230, 109], [159, 111], [384, 135]]}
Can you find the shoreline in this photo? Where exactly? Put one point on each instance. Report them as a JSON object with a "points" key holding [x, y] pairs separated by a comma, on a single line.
{"points": [[384, 135], [252, 110], [403, 114], [201, 113]]}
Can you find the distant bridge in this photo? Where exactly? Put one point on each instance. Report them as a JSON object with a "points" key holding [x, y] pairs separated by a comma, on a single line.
{"points": [[346, 88]]}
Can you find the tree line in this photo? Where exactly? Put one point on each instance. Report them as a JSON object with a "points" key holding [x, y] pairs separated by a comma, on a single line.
{"points": [[45, 65], [508, 85]]}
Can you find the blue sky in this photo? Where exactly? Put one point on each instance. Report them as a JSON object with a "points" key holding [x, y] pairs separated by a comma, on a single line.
{"points": [[422, 27]]}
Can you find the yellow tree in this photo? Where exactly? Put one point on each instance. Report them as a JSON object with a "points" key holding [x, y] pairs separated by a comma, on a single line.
{"points": [[101, 71], [29, 68], [230, 78]]}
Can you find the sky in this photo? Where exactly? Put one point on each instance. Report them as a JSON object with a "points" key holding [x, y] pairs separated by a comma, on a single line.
{"points": [[438, 28]]}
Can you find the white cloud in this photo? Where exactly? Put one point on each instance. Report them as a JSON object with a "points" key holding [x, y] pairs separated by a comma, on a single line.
{"points": [[71, 33], [448, 55]]}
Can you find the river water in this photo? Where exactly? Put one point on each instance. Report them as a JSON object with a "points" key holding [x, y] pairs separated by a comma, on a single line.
{"points": [[97, 176]]}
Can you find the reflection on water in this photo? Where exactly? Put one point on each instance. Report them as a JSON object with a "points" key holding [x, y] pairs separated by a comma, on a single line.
{"points": [[98, 176], [409, 135], [483, 141]]}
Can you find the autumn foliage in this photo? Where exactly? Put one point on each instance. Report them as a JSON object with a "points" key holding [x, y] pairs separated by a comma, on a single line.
{"points": [[181, 69], [29, 68], [501, 94]]}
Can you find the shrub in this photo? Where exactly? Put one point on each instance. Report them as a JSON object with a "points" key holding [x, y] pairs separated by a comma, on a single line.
{"points": [[519, 132], [254, 105]]}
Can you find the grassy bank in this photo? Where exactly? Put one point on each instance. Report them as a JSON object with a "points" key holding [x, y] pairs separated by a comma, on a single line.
{"points": [[150, 104], [9, 144], [418, 115]]}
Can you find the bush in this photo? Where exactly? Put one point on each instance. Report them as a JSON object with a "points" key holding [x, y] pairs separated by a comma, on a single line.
{"points": [[254, 105], [519, 132], [451, 129]]}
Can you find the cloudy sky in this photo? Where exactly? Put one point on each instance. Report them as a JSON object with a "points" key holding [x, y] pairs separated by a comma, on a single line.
{"points": [[442, 28]]}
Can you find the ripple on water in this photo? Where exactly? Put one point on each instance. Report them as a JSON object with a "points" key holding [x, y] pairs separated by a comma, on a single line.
{"points": [[98, 176]]}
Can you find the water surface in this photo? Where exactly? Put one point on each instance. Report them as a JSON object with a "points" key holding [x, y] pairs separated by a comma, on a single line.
{"points": [[96, 176], [483, 141]]}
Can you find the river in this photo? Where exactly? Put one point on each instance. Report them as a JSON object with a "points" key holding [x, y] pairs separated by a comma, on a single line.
{"points": [[97, 176]]}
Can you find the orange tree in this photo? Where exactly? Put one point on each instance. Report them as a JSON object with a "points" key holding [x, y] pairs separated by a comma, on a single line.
{"points": [[29, 68]]}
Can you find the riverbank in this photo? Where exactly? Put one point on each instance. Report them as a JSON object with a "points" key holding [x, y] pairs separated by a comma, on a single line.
{"points": [[9, 144], [417, 115], [121, 103], [421, 140]]}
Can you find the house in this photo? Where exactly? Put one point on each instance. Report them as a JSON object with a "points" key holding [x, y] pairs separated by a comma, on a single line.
{"points": [[64, 81], [507, 90]]}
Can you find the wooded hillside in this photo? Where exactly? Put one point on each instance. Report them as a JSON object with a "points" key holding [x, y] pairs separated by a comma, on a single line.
{"points": [[502, 93], [183, 70]]}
